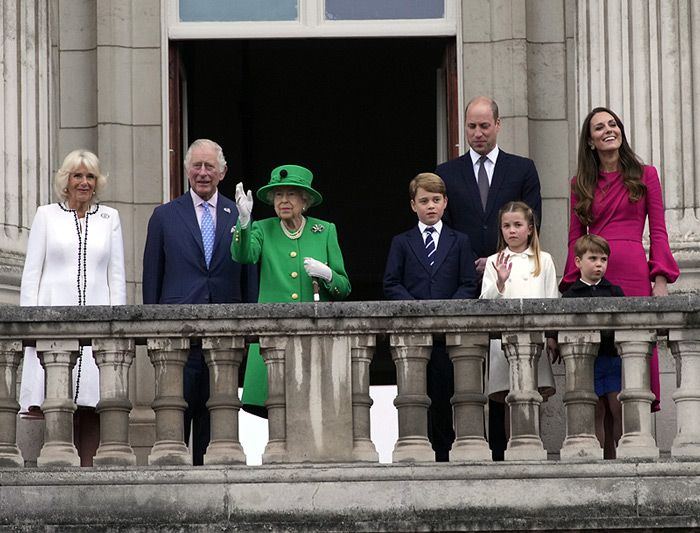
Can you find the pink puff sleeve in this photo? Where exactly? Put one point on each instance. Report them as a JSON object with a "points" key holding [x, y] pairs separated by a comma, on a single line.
{"points": [[576, 230], [661, 260]]}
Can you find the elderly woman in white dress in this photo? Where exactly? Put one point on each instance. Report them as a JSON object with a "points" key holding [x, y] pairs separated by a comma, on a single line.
{"points": [[75, 256]]}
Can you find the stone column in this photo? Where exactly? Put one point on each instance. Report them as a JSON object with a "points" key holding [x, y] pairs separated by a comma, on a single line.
{"points": [[523, 352], [114, 357], [411, 354], [26, 124], [579, 350], [273, 351], [468, 354], [169, 356], [10, 356], [58, 359], [685, 346], [223, 356], [637, 440], [361, 352]]}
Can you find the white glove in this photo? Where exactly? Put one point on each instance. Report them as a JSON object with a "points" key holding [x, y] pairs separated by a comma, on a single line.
{"points": [[244, 203], [316, 269]]}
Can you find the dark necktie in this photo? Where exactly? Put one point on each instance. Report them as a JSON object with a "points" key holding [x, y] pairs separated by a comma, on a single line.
{"points": [[483, 181], [430, 244]]}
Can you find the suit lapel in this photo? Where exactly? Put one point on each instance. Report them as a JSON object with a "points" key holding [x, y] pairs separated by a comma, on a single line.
{"points": [[225, 219], [447, 238], [470, 182], [415, 241], [185, 209], [499, 176]]}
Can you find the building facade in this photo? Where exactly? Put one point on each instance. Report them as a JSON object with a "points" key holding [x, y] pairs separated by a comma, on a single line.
{"points": [[137, 80]]}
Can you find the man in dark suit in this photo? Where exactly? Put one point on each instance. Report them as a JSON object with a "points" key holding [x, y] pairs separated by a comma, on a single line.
{"points": [[187, 260], [478, 184], [432, 261]]}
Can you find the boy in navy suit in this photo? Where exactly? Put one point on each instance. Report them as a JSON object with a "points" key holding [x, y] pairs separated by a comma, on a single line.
{"points": [[592, 254], [432, 262]]}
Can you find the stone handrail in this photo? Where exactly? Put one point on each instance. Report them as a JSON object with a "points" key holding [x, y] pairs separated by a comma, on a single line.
{"points": [[318, 359]]}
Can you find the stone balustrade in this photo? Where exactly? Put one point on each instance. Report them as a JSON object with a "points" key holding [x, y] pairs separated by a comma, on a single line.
{"points": [[318, 357]]}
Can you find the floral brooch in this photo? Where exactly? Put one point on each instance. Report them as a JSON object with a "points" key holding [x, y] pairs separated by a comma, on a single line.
{"points": [[317, 228]]}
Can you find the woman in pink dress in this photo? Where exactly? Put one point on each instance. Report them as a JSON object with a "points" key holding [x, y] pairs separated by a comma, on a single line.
{"points": [[612, 195]]}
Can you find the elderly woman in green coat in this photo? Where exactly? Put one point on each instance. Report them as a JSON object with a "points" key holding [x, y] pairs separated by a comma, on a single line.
{"points": [[298, 256]]}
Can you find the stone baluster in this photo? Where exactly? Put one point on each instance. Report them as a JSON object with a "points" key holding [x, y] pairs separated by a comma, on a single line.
{"points": [[685, 346], [58, 359], [579, 350], [468, 354], [411, 354], [635, 349], [523, 352], [10, 356], [168, 357], [223, 356], [361, 350], [114, 357], [273, 351]]}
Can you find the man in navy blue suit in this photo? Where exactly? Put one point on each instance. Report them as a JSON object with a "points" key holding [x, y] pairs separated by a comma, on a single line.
{"points": [[478, 184], [182, 267], [432, 261]]}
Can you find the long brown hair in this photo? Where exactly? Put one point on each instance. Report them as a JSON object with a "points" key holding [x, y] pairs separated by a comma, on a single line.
{"points": [[589, 168], [533, 240]]}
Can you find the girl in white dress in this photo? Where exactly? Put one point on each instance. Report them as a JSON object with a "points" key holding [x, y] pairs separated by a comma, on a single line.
{"points": [[519, 270], [75, 256]]}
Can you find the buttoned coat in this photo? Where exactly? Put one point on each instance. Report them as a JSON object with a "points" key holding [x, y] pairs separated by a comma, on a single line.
{"points": [[409, 276], [514, 178], [50, 278], [283, 279], [174, 268], [282, 274]]}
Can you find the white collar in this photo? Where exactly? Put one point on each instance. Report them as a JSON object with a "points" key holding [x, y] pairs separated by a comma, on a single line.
{"points": [[491, 156], [528, 252], [198, 200], [437, 227]]}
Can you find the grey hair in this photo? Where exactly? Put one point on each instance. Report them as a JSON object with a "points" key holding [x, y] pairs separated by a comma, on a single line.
{"points": [[305, 196], [72, 162], [206, 143]]}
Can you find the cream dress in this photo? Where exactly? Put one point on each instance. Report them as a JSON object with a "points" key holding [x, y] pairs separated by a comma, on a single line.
{"points": [[50, 278], [520, 284]]}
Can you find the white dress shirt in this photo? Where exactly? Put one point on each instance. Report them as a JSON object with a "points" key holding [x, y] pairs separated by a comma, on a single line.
{"points": [[490, 163], [436, 234], [199, 210]]}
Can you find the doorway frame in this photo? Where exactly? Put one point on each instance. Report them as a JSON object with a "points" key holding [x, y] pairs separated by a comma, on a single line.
{"points": [[310, 24]]}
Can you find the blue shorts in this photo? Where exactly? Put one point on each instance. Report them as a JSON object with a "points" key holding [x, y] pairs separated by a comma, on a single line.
{"points": [[607, 374]]}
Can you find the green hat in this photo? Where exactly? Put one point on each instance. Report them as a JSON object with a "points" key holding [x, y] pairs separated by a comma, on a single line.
{"points": [[290, 176]]}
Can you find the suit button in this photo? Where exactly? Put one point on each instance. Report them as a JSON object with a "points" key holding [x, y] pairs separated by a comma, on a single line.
{"points": [[485, 227], [295, 296], [292, 254], [294, 275]]}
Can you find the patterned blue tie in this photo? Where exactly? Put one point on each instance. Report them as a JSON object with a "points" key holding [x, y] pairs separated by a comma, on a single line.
{"points": [[430, 245], [207, 232]]}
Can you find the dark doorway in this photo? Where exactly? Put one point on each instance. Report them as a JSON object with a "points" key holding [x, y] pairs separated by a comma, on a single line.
{"points": [[360, 113]]}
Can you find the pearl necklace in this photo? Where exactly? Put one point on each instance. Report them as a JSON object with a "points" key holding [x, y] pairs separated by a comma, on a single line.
{"points": [[82, 273], [296, 233]]}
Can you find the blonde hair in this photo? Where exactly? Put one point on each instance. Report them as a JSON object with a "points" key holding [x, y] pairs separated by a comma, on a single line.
{"points": [[533, 240], [72, 162]]}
